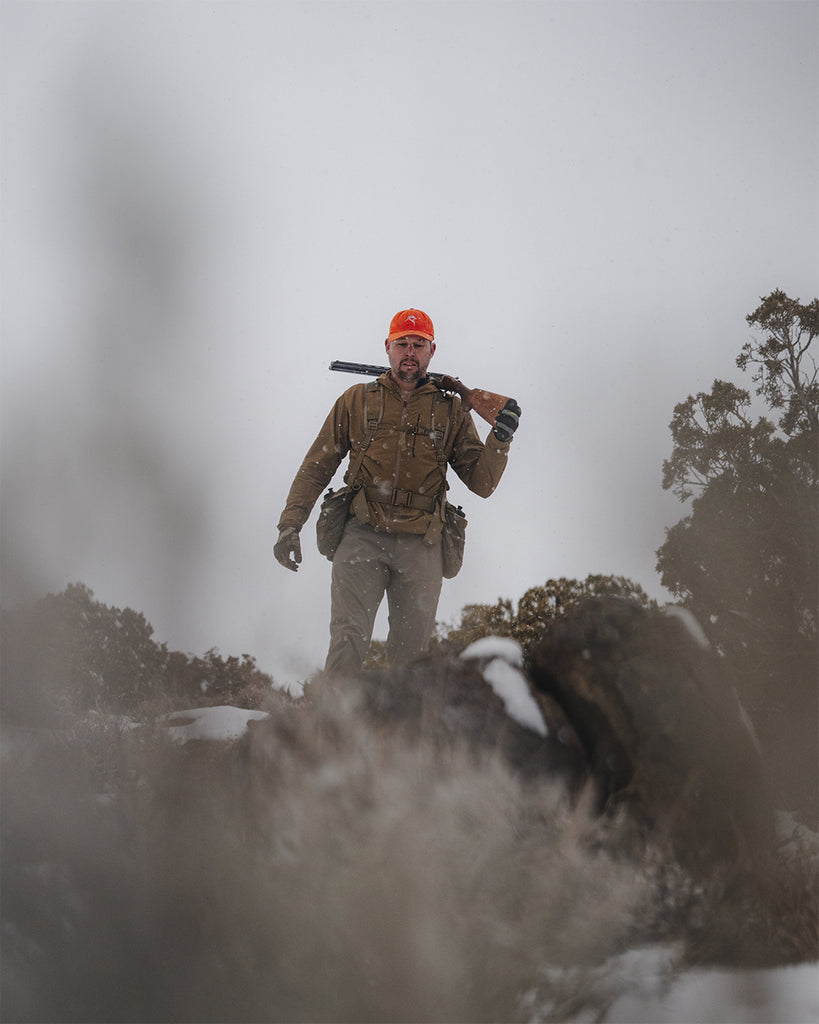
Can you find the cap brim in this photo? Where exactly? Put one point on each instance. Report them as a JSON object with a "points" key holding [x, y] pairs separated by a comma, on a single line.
{"points": [[406, 334]]}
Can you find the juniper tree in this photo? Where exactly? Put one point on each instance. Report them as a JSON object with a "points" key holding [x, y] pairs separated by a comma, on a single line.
{"points": [[745, 558]]}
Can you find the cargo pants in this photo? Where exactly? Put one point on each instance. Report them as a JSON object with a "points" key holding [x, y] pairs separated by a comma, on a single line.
{"points": [[367, 565]]}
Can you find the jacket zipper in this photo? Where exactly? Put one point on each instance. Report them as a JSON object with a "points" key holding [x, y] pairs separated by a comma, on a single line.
{"points": [[401, 442]]}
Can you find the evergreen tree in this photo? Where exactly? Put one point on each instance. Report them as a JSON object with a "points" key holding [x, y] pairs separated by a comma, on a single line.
{"points": [[745, 559], [69, 654]]}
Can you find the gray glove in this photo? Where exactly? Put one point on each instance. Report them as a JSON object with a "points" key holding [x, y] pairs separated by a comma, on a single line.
{"points": [[506, 422], [287, 549]]}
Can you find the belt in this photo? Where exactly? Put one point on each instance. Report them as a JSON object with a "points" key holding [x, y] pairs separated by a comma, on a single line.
{"points": [[400, 498]]}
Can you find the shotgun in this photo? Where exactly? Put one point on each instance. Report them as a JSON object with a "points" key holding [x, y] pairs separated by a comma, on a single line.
{"points": [[485, 403]]}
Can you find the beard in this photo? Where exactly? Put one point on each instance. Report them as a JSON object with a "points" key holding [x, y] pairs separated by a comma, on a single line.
{"points": [[409, 373]]}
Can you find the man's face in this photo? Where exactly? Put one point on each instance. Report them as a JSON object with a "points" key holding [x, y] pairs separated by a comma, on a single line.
{"points": [[409, 357]]}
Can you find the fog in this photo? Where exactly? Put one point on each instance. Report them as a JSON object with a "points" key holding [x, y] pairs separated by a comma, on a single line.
{"points": [[202, 205]]}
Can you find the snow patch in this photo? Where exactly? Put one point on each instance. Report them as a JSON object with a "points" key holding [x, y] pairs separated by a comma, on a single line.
{"points": [[636, 978], [510, 685], [495, 647], [219, 723], [754, 997], [505, 656], [646, 986]]}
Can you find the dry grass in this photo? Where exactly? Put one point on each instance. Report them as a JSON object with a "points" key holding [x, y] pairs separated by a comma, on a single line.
{"points": [[331, 869]]}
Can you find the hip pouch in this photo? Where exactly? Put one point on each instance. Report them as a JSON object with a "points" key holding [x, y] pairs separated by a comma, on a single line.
{"points": [[453, 540], [333, 516]]}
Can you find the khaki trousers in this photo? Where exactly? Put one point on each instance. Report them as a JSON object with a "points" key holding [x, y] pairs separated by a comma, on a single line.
{"points": [[365, 567]]}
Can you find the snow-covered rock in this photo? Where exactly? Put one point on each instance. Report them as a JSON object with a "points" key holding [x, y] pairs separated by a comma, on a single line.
{"points": [[503, 657]]}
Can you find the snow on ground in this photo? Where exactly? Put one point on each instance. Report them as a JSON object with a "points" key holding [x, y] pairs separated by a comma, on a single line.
{"points": [[646, 986], [219, 723], [786, 995]]}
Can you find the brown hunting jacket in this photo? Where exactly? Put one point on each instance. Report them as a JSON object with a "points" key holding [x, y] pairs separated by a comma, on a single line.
{"points": [[402, 473]]}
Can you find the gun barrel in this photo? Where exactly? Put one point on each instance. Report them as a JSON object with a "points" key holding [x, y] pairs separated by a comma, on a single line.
{"points": [[367, 369]]}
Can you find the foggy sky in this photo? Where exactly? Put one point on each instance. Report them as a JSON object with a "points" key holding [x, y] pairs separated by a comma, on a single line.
{"points": [[203, 204]]}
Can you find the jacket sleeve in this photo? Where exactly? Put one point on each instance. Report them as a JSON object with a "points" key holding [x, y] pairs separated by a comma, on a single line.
{"points": [[479, 464], [319, 466]]}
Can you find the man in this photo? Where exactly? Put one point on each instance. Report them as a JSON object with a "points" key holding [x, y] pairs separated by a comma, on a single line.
{"points": [[398, 454]]}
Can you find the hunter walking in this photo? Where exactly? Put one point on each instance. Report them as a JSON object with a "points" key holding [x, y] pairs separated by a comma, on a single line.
{"points": [[401, 432]]}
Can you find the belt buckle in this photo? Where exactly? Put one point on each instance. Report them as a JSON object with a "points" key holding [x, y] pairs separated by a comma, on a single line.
{"points": [[395, 500]]}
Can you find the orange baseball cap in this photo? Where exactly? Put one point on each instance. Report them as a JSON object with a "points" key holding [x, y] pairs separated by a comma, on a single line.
{"points": [[411, 321]]}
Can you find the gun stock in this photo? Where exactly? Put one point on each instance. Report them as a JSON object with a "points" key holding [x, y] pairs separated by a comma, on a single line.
{"points": [[487, 404]]}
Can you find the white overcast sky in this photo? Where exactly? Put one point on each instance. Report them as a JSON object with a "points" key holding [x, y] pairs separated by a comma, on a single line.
{"points": [[204, 203]]}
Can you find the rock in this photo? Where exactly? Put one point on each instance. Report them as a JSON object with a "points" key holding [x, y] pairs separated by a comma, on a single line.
{"points": [[664, 734]]}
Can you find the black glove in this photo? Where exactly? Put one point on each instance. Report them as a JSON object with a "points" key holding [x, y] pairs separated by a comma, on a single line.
{"points": [[287, 549], [506, 422]]}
